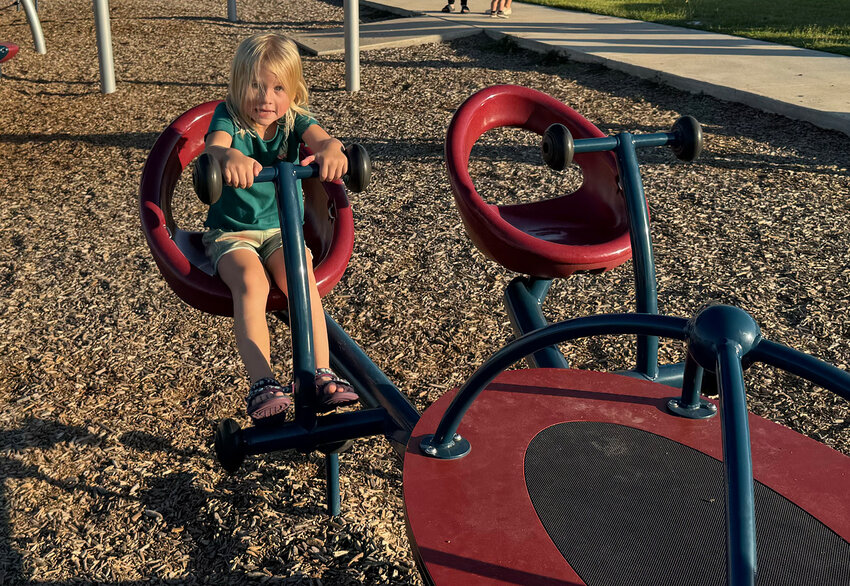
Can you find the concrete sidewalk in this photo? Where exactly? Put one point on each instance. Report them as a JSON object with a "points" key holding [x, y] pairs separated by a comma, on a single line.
{"points": [[797, 83]]}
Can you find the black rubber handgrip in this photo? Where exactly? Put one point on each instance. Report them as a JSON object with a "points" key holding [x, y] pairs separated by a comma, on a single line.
{"points": [[687, 145], [558, 147], [206, 179], [359, 168]]}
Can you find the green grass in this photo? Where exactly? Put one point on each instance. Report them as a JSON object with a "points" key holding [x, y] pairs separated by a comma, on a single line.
{"points": [[823, 25]]}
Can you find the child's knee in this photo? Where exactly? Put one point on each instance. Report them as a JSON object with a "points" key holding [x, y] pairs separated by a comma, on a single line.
{"points": [[246, 281], [254, 285]]}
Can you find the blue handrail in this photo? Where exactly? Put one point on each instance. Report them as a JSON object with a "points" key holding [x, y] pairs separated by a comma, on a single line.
{"points": [[737, 466], [583, 327], [803, 365]]}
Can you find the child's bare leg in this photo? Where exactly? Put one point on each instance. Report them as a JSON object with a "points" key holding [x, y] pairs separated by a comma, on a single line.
{"points": [[243, 272], [321, 350]]}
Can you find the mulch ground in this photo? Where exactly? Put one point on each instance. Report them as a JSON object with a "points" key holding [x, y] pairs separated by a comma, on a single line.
{"points": [[111, 387]]}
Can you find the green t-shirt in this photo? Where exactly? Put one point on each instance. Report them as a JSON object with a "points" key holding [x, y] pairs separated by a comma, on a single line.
{"points": [[254, 208]]}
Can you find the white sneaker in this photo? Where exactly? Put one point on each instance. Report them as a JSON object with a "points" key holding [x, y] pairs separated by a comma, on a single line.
{"points": [[449, 8], [507, 12], [501, 14]]}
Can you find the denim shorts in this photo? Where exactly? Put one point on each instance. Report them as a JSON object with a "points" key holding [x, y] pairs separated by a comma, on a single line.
{"points": [[217, 243]]}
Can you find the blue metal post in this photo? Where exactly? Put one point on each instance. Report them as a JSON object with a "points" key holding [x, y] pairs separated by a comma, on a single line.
{"points": [[691, 404], [691, 382], [297, 294], [332, 477], [642, 259], [524, 303], [738, 467], [298, 297]]}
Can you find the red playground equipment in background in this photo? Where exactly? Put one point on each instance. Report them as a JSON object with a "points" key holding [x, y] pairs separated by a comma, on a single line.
{"points": [[7, 51]]}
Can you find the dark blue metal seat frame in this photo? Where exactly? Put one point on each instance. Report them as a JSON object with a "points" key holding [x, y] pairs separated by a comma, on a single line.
{"points": [[524, 296]]}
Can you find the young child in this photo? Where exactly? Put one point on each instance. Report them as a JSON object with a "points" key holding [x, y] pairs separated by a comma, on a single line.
{"points": [[263, 119]]}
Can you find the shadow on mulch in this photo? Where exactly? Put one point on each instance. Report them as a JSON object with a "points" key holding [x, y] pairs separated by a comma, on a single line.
{"points": [[173, 500], [34, 433], [138, 140], [93, 87]]}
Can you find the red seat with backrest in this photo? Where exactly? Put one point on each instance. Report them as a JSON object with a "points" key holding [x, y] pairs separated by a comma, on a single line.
{"points": [[582, 231], [179, 254], [7, 51]]}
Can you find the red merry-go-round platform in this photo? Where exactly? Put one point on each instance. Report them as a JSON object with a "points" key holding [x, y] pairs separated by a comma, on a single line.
{"points": [[578, 477]]}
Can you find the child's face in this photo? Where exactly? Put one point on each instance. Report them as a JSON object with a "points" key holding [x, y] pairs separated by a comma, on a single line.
{"points": [[266, 101]]}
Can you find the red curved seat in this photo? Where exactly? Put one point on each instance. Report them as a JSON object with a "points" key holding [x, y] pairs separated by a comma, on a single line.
{"points": [[179, 254], [583, 231], [7, 51]]}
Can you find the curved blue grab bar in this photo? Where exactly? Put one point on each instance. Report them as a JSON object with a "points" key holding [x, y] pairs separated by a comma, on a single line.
{"points": [[803, 365], [583, 327]]}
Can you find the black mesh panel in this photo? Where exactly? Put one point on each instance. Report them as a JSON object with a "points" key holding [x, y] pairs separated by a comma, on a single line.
{"points": [[628, 507]]}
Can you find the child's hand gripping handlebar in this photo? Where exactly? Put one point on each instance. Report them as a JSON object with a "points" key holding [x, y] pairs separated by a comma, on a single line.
{"points": [[207, 181]]}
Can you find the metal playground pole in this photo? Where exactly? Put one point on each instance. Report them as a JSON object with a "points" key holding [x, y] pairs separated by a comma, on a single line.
{"points": [[352, 45], [35, 26], [104, 46]]}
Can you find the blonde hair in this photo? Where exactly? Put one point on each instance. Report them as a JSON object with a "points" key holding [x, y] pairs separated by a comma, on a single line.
{"points": [[280, 56]]}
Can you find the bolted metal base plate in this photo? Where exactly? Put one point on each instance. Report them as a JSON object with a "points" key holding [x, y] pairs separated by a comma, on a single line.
{"points": [[457, 448], [704, 410]]}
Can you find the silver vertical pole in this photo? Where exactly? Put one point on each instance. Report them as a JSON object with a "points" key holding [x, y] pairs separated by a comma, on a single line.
{"points": [[231, 10], [104, 46], [35, 26], [352, 45]]}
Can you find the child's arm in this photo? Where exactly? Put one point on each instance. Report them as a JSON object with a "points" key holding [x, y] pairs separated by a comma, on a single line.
{"points": [[327, 152], [237, 169]]}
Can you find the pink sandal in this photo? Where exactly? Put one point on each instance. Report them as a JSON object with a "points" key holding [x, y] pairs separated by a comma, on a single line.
{"points": [[330, 400], [268, 401]]}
